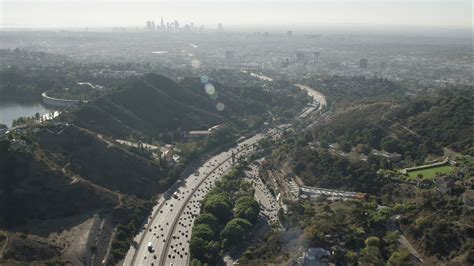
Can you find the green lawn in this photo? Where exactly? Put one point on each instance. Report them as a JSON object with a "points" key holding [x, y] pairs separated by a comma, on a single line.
{"points": [[430, 173]]}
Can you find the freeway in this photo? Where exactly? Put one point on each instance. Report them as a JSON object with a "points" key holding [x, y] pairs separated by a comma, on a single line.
{"points": [[316, 95], [169, 228], [269, 204]]}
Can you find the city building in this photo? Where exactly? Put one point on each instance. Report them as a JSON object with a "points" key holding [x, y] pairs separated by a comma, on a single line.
{"points": [[316, 56], [150, 25], [363, 63]]}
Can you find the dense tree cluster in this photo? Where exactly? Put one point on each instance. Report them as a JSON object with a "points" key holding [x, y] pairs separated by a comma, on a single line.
{"points": [[343, 90], [416, 128], [228, 213], [355, 232]]}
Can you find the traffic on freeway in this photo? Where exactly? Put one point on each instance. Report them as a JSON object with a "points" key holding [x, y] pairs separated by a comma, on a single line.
{"points": [[165, 237], [268, 203]]}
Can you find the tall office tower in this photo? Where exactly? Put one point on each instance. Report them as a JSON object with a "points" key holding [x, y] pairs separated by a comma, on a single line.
{"points": [[176, 24], [192, 26], [148, 25], [363, 63], [167, 25], [153, 25], [162, 23], [316, 56], [219, 26]]}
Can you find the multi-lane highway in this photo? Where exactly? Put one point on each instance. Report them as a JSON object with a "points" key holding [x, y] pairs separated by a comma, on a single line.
{"points": [[169, 228], [165, 237]]}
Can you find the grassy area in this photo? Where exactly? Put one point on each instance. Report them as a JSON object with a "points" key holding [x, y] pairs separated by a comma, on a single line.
{"points": [[430, 173]]}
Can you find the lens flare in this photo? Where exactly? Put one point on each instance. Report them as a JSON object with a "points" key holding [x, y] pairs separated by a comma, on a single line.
{"points": [[210, 89], [204, 79], [220, 107], [195, 63]]}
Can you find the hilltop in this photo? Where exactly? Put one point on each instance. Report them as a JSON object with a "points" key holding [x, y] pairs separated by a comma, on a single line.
{"points": [[154, 105]]}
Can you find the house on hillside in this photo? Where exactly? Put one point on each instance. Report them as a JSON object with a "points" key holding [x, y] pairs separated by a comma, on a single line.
{"points": [[314, 257], [197, 134], [425, 183], [217, 128], [393, 157], [204, 134], [17, 144], [170, 157]]}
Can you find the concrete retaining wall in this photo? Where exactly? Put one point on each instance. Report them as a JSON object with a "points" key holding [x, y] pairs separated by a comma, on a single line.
{"points": [[56, 102]]}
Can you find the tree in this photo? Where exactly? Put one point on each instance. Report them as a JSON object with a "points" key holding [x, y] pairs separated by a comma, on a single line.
{"points": [[345, 146], [351, 257], [207, 219], [399, 258], [389, 144], [363, 148], [219, 206], [235, 230], [371, 254], [372, 241], [197, 248], [247, 208], [203, 231]]}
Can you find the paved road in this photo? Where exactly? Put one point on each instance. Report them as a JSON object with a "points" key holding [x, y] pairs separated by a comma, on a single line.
{"points": [[268, 203], [169, 230], [317, 96]]}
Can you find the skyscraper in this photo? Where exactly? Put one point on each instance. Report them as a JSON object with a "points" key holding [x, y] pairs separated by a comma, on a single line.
{"points": [[162, 23], [219, 26]]}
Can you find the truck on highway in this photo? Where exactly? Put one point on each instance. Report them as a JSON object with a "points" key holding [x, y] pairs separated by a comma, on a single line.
{"points": [[150, 247]]}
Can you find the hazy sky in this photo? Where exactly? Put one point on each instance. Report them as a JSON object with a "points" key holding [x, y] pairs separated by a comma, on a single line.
{"points": [[235, 13]]}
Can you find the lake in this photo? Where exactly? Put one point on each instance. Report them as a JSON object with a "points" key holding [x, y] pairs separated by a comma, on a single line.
{"points": [[10, 110]]}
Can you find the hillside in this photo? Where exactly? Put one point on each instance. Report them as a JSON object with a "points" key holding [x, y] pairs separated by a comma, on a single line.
{"points": [[154, 105], [66, 185], [343, 91], [416, 128], [110, 166], [33, 188]]}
